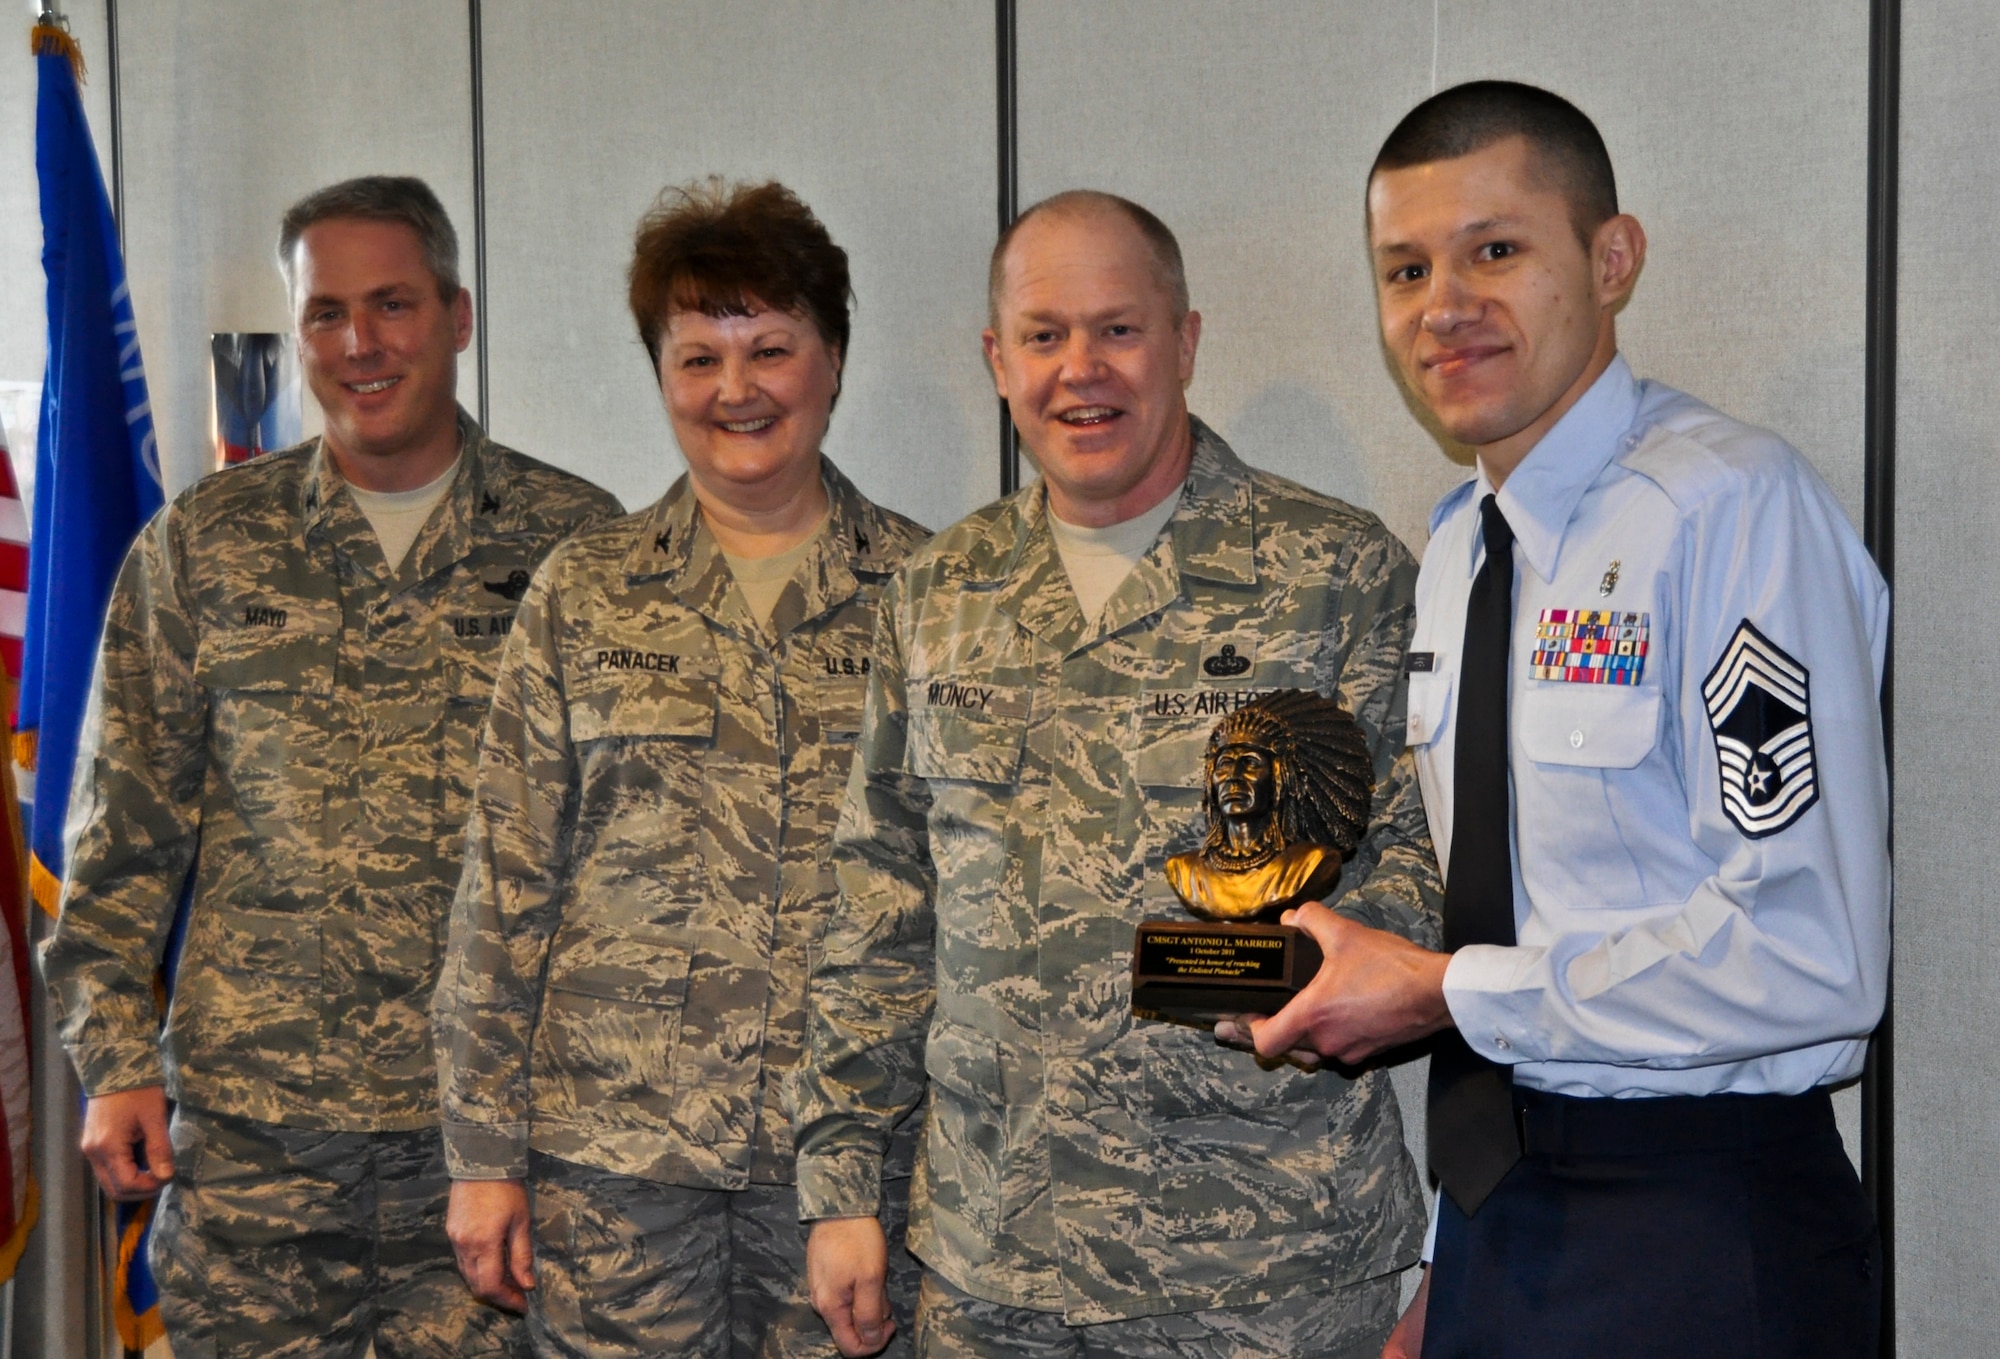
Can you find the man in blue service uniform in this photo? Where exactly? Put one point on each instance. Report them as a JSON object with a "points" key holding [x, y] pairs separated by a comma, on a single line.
{"points": [[1643, 700]]}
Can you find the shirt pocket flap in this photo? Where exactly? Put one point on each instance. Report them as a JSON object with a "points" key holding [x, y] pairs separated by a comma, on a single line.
{"points": [[297, 656], [1172, 757], [1428, 704], [635, 966], [659, 706], [469, 686], [961, 1061], [954, 745], [840, 704], [1588, 726], [266, 943]]}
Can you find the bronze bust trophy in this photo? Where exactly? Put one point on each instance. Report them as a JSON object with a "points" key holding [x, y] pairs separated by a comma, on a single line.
{"points": [[1286, 786]]}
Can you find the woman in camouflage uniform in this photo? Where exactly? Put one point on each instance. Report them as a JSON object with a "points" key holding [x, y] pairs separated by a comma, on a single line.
{"points": [[646, 874]]}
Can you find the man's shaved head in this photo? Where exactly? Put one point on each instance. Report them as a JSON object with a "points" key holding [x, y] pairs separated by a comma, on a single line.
{"points": [[1166, 251]]}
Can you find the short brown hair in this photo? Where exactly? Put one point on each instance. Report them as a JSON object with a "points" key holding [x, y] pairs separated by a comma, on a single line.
{"points": [[377, 198], [1168, 268], [1569, 152], [725, 250]]}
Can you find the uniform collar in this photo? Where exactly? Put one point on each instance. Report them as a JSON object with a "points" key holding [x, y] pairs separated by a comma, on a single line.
{"points": [[478, 494], [672, 545], [1211, 536], [1541, 495], [665, 538]]}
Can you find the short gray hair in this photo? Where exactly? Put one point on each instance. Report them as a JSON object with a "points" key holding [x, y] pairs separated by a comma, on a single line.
{"points": [[377, 198]]}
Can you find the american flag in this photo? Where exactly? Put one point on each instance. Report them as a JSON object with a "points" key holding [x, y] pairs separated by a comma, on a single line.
{"points": [[17, 1190], [13, 572]]}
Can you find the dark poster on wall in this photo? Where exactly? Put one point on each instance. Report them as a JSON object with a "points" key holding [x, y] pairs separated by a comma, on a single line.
{"points": [[256, 394]]}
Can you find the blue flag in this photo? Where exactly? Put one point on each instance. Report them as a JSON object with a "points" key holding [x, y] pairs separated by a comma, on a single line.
{"points": [[97, 472], [97, 482]]}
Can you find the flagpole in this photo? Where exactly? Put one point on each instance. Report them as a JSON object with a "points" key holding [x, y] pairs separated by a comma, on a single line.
{"points": [[117, 121], [97, 482]]}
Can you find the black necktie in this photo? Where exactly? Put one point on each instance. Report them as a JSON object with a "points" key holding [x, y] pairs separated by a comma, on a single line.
{"points": [[1472, 1137]]}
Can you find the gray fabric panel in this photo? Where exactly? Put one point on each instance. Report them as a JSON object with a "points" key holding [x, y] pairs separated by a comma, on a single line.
{"points": [[882, 122], [1739, 130], [1947, 990], [234, 108], [1739, 133]]}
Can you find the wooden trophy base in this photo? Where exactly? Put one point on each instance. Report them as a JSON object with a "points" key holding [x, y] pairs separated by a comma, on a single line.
{"points": [[1196, 971]]}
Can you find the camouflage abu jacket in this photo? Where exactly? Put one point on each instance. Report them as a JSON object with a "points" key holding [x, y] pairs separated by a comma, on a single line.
{"points": [[1021, 778], [646, 865], [270, 692]]}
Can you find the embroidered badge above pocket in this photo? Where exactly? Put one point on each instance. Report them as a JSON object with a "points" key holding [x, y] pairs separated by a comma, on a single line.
{"points": [[1592, 646], [1228, 659]]}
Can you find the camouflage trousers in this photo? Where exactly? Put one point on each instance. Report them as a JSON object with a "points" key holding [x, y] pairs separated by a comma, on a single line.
{"points": [[1335, 1323], [631, 1267], [291, 1243]]}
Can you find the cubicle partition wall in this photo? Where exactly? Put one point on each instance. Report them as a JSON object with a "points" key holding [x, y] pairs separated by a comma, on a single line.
{"points": [[880, 119], [1946, 1002]]}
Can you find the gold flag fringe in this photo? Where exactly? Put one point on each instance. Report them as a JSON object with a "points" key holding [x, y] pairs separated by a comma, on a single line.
{"points": [[46, 888], [135, 1332], [46, 40], [31, 1213], [28, 748]]}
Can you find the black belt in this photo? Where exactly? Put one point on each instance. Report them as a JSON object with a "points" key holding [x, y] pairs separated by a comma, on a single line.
{"points": [[1566, 1125]]}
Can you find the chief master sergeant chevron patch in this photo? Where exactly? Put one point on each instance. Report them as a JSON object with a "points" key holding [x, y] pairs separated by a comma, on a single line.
{"points": [[1762, 719]]}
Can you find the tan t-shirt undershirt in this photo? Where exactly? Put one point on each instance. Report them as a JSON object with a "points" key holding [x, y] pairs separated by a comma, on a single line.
{"points": [[763, 579], [399, 516], [1099, 559]]}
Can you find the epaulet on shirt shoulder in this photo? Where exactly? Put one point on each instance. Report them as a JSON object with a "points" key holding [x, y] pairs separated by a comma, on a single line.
{"points": [[1449, 503], [964, 550], [227, 490], [1694, 452], [1269, 486], [901, 536], [534, 509], [610, 540]]}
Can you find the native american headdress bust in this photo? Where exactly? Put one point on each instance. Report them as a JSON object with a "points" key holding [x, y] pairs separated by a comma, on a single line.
{"points": [[1287, 784]]}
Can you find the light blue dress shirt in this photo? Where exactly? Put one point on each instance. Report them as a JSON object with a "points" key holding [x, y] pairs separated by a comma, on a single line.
{"points": [[1695, 913]]}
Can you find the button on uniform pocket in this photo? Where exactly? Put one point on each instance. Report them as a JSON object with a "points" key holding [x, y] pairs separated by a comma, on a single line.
{"points": [[1581, 773], [1429, 706], [1588, 726]]}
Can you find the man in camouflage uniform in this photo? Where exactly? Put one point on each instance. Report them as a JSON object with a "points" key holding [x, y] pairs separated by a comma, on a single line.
{"points": [[292, 679], [1091, 1184]]}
